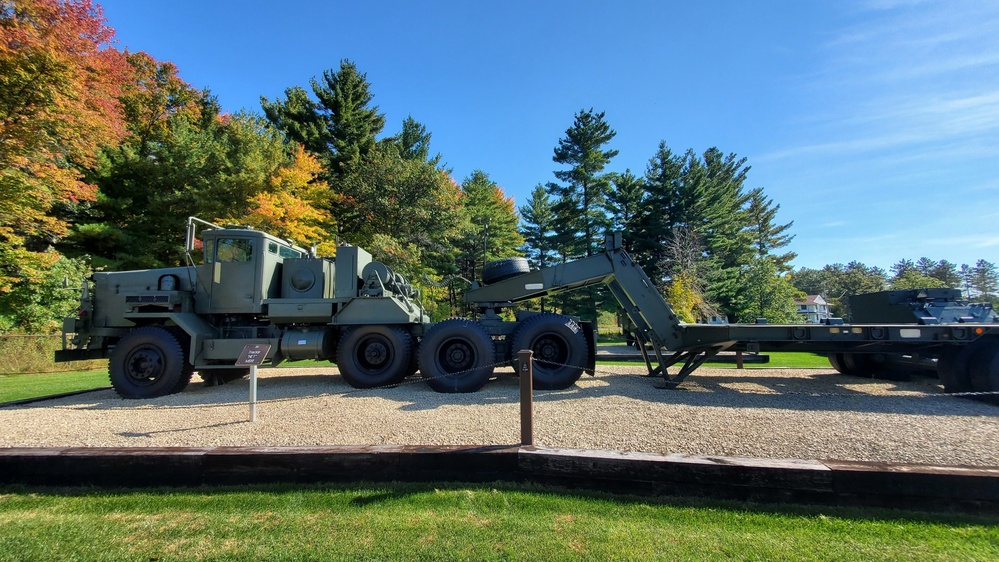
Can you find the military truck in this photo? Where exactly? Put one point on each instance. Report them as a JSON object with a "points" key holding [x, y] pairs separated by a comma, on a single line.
{"points": [[157, 327], [929, 306]]}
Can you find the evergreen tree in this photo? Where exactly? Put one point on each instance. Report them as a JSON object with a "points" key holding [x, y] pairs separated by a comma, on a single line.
{"points": [[581, 198], [340, 128], [704, 194], [658, 213], [300, 120], [538, 229], [767, 236], [624, 204], [913, 279], [413, 142], [492, 230], [946, 273], [985, 279], [344, 97]]}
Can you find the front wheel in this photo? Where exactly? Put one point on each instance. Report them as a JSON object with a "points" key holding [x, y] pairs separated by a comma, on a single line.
{"points": [[148, 362]]}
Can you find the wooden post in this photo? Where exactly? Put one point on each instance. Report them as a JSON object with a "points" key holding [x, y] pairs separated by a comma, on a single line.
{"points": [[738, 359], [526, 361]]}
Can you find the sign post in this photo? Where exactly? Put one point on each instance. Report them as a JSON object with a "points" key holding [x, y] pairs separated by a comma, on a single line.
{"points": [[253, 354]]}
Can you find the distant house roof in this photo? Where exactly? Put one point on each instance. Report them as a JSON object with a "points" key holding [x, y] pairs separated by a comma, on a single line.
{"points": [[811, 299]]}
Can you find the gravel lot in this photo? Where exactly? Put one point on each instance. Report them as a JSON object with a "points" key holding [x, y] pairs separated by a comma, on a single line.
{"points": [[776, 413]]}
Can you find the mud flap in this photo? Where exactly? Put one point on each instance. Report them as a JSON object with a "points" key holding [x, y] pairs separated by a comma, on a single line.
{"points": [[591, 347]]}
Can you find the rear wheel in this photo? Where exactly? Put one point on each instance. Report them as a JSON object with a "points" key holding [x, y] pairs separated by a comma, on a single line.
{"points": [[148, 362], [860, 364], [370, 356], [983, 366], [838, 362], [559, 348], [952, 369], [456, 356]]}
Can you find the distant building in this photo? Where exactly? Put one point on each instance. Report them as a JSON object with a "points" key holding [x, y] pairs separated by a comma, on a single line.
{"points": [[813, 308]]}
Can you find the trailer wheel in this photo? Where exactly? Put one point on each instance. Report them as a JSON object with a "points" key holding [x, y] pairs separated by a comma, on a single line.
{"points": [[559, 348], [370, 356], [456, 356], [983, 366], [952, 369], [148, 362], [838, 362], [860, 364]]}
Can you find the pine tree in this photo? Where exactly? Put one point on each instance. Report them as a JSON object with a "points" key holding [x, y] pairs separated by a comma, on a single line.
{"points": [[413, 142], [492, 231], [345, 97], [338, 129], [766, 235], [624, 205], [538, 228], [581, 218], [300, 120], [985, 279], [581, 198]]}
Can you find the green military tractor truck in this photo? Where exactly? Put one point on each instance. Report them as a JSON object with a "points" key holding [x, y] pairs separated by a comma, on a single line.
{"points": [[158, 327]]}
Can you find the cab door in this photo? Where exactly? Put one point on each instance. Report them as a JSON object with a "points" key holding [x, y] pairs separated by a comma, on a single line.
{"points": [[234, 275]]}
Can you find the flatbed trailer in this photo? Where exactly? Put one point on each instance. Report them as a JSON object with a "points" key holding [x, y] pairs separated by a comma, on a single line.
{"points": [[967, 354]]}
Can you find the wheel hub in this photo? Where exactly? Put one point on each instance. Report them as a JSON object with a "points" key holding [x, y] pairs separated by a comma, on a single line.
{"points": [[145, 365], [457, 356], [548, 350], [374, 354]]}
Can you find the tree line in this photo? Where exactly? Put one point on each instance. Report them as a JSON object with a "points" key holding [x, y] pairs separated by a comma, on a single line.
{"points": [[105, 153], [712, 246]]}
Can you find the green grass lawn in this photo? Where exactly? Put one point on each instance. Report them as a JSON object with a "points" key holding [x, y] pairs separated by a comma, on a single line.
{"points": [[21, 387], [466, 522]]}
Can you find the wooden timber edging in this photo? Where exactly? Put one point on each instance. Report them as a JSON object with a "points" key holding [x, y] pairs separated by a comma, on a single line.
{"points": [[934, 488]]}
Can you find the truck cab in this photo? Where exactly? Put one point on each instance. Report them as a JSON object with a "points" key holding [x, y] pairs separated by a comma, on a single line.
{"points": [[242, 268]]}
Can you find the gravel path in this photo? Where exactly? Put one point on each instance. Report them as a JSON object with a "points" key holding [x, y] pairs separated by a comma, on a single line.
{"points": [[776, 413]]}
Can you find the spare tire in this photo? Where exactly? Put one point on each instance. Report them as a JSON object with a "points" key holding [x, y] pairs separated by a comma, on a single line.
{"points": [[505, 268]]}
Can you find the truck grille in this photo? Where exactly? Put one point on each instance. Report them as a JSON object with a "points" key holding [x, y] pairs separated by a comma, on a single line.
{"points": [[146, 299]]}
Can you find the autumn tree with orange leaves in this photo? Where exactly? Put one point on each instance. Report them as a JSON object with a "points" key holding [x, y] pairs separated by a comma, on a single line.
{"points": [[59, 86]]}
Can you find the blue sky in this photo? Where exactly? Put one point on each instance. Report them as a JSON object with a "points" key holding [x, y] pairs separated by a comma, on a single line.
{"points": [[874, 124]]}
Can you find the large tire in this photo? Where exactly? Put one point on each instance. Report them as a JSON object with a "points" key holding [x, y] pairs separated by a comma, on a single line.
{"points": [[860, 364], [952, 368], [559, 347], [456, 355], [372, 356], [148, 362], [983, 365], [838, 362], [505, 268]]}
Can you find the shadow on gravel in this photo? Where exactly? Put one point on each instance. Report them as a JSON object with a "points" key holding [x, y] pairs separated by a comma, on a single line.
{"points": [[743, 389]]}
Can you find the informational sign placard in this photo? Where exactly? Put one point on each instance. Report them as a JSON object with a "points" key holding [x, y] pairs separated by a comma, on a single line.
{"points": [[253, 354]]}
